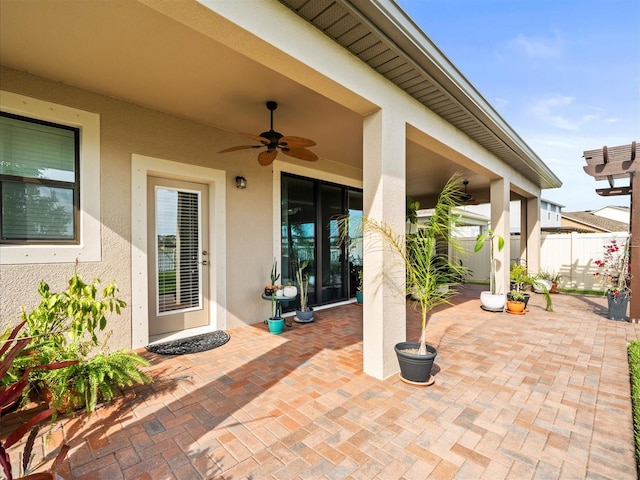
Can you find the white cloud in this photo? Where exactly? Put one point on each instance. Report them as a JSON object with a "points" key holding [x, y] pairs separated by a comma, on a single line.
{"points": [[535, 47], [561, 112], [500, 102]]}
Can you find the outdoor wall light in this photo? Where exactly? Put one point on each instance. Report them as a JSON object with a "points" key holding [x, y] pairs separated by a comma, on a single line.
{"points": [[241, 182]]}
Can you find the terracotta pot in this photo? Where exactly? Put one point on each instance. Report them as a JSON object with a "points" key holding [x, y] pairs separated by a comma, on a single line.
{"points": [[515, 307]]}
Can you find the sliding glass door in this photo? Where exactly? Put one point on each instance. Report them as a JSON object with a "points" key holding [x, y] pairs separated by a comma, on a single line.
{"points": [[310, 235]]}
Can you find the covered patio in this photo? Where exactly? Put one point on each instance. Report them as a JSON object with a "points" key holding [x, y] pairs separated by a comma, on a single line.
{"points": [[543, 395]]}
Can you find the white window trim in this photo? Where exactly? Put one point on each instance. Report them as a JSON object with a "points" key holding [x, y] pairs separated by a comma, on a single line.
{"points": [[89, 248]]}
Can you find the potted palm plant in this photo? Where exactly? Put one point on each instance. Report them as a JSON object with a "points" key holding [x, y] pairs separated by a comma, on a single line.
{"points": [[424, 255], [491, 300]]}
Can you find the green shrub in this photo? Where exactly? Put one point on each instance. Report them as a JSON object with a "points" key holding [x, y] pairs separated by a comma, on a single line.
{"points": [[634, 373], [64, 328]]}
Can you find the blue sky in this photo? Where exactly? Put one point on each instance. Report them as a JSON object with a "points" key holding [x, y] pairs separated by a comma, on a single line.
{"points": [[565, 74]]}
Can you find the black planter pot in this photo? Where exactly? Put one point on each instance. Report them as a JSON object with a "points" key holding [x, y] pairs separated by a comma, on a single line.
{"points": [[618, 305], [415, 368]]}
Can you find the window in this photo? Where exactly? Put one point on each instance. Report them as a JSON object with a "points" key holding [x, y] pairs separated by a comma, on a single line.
{"points": [[49, 182], [39, 181]]}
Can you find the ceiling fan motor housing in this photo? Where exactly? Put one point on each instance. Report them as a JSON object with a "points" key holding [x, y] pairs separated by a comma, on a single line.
{"points": [[272, 140], [273, 137]]}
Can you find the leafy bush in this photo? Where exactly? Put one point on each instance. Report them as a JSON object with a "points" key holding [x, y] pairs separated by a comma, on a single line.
{"points": [[65, 327], [98, 378]]}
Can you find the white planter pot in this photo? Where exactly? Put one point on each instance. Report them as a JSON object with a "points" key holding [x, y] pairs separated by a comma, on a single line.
{"points": [[279, 293], [493, 301], [538, 289], [290, 291]]}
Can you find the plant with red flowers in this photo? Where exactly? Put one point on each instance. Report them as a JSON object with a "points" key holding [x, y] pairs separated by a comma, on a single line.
{"points": [[615, 273]]}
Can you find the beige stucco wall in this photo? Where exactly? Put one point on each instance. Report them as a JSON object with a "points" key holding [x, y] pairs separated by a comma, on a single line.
{"points": [[128, 129]]}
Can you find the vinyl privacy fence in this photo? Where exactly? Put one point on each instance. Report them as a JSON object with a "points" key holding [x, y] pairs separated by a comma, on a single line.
{"points": [[570, 254]]}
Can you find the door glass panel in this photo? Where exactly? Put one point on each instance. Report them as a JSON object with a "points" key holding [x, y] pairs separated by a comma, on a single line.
{"points": [[298, 233], [355, 240], [334, 269], [178, 243], [311, 210]]}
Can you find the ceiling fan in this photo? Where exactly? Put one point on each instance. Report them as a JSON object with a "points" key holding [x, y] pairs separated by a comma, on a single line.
{"points": [[467, 199], [292, 146]]}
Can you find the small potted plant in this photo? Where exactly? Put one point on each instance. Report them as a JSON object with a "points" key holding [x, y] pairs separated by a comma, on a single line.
{"points": [[543, 278], [555, 278], [359, 294], [518, 277], [272, 288], [305, 313], [515, 302], [275, 321]]}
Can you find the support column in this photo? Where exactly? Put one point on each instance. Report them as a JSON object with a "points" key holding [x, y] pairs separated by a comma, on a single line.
{"points": [[634, 250], [522, 254], [500, 224], [384, 171], [530, 235]]}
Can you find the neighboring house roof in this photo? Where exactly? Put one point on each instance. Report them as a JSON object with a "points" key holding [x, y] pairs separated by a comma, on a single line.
{"points": [[383, 36], [551, 202], [593, 223], [614, 207]]}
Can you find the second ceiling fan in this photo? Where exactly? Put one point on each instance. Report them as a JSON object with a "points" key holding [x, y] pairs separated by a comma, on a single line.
{"points": [[273, 141]]}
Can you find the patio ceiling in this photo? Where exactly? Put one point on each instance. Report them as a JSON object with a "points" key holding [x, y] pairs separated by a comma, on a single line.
{"points": [[126, 50]]}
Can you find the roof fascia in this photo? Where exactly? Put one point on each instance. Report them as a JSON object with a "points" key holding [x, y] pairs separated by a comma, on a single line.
{"points": [[391, 22]]}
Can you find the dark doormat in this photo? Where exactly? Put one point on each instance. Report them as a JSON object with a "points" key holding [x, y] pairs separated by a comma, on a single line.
{"points": [[195, 344]]}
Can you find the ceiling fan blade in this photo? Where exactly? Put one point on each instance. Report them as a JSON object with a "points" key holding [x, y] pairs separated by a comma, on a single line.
{"points": [[240, 147], [257, 138], [296, 142], [301, 153], [266, 158]]}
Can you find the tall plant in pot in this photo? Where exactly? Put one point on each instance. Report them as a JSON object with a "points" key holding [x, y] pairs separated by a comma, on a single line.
{"points": [[491, 300], [424, 256], [615, 276], [305, 312]]}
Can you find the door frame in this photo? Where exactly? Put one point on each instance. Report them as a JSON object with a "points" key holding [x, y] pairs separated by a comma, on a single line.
{"points": [[142, 167]]}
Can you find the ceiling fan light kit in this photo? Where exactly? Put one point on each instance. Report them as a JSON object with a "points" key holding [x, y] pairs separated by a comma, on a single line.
{"points": [[292, 146]]}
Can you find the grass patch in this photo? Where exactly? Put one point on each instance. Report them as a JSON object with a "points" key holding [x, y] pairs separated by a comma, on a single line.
{"points": [[597, 293], [633, 351], [166, 282]]}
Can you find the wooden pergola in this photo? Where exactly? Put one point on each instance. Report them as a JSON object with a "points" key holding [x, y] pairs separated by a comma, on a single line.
{"points": [[612, 163]]}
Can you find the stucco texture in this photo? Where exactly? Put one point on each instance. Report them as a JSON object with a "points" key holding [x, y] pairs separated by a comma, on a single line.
{"points": [[128, 129]]}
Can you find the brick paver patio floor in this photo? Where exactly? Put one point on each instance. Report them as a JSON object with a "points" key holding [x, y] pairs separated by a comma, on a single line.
{"points": [[543, 395]]}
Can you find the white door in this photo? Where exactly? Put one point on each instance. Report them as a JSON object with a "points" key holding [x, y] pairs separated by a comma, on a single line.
{"points": [[177, 255]]}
